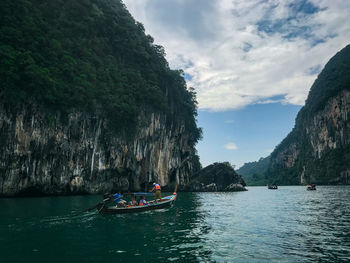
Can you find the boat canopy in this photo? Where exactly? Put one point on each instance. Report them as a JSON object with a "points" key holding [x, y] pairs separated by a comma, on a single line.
{"points": [[138, 194]]}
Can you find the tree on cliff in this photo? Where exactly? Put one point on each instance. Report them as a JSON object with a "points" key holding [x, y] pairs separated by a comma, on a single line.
{"points": [[89, 55]]}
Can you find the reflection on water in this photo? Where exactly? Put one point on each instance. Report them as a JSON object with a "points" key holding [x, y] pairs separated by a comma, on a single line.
{"points": [[52, 228], [287, 225]]}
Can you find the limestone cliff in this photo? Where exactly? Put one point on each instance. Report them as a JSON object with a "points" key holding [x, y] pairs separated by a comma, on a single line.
{"points": [[82, 155], [88, 102], [318, 148]]}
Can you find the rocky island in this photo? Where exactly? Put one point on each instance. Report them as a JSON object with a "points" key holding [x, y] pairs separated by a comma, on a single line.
{"points": [[217, 177]]}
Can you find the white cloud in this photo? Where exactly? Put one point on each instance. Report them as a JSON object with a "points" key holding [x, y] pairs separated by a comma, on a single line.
{"points": [[231, 146], [244, 52]]}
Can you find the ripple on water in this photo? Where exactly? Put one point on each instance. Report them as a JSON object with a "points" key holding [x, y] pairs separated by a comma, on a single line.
{"points": [[287, 225]]}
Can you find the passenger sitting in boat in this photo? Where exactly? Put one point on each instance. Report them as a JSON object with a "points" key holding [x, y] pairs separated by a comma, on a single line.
{"points": [[132, 202], [122, 203], [143, 201]]}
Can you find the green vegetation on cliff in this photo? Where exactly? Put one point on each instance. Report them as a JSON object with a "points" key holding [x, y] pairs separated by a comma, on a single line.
{"points": [[334, 78], [254, 172], [89, 55], [317, 149]]}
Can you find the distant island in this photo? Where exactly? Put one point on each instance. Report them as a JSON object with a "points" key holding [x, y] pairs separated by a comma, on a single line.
{"points": [[217, 177], [254, 172], [317, 150]]}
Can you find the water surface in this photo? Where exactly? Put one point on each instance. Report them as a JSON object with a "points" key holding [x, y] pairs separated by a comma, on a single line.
{"points": [[285, 225]]}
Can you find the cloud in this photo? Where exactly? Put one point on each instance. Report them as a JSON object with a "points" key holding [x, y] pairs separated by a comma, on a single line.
{"points": [[231, 146], [229, 121], [237, 52]]}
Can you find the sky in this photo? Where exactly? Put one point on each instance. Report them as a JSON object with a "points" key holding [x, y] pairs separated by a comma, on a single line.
{"points": [[251, 62]]}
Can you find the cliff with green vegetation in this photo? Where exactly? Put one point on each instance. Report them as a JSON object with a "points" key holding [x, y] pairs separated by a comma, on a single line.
{"points": [[253, 172], [317, 150], [88, 102]]}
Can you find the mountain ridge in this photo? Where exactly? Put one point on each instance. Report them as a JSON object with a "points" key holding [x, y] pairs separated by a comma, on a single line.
{"points": [[317, 150]]}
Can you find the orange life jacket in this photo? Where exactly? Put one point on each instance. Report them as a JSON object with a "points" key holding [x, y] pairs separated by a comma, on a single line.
{"points": [[157, 187]]}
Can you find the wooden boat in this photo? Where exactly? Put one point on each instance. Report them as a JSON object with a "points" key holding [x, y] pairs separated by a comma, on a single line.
{"points": [[167, 201], [311, 187], [272, 187]]}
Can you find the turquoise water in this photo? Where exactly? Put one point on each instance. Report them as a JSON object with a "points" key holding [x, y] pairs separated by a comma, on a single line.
{"points": [[287, 225]]}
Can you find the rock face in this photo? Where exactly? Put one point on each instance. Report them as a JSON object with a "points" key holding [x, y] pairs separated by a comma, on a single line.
{"points": [[82, 155], [217, 177], [88, 102], [318, 148]]}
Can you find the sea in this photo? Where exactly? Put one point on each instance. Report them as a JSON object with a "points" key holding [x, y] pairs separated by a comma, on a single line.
{"points": [[260, 225]]}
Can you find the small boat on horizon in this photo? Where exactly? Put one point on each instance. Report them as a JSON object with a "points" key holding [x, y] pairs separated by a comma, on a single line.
{"points": [[272, 187], [311, 187]]}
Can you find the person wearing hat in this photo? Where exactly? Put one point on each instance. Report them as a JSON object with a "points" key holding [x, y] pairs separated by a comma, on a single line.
{"points": [[156, 188]]}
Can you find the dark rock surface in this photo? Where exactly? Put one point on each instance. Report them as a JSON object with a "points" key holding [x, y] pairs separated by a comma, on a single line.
{"points": [[217, 177], [83, 156]]}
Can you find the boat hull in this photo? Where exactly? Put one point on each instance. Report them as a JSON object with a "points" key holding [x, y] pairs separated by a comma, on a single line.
{"points": [[164, 203], [311, 187]]}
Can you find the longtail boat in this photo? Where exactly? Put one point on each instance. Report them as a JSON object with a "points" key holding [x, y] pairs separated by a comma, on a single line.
{"points": [[311, 187], [167, 201]]}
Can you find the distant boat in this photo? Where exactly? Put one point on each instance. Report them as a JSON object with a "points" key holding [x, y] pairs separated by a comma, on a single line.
{"points": [[272, 187], [311, 187]]}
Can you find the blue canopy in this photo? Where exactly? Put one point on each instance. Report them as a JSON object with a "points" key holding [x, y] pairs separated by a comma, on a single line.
{"points": [[138, 194]]}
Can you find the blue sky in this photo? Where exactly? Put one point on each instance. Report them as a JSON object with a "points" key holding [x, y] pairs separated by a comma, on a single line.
{"points": [[243, 135], [250, 62]]}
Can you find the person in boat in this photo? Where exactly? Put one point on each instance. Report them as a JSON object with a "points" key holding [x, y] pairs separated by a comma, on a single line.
{"points": [[143, 201], [118, 198], [132, 202], [156, 188]]}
